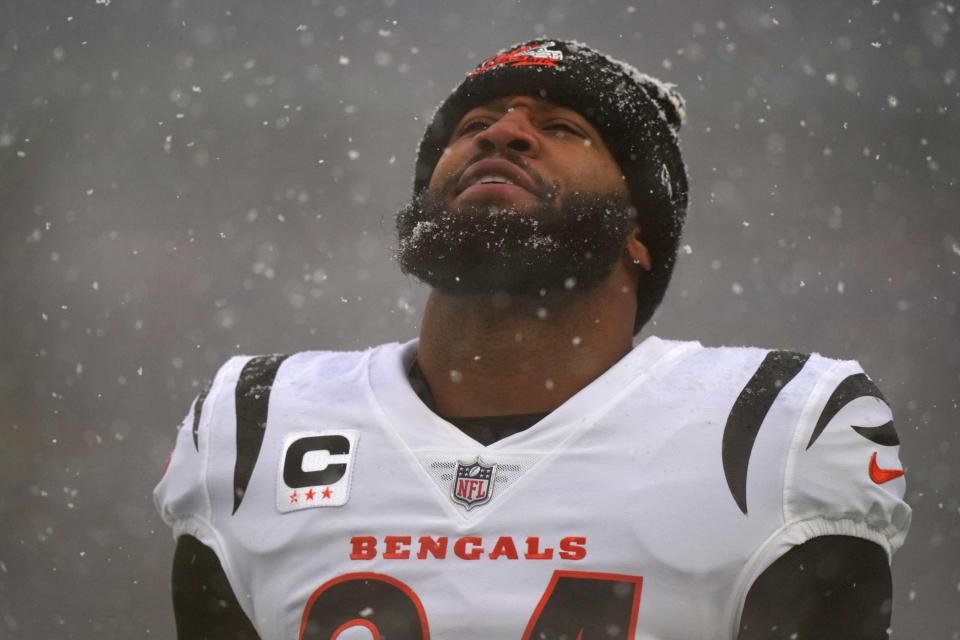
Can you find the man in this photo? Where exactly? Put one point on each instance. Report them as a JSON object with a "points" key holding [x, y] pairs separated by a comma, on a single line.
{"points": [[521, 470]]}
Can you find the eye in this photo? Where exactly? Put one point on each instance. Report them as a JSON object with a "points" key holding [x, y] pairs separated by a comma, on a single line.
{"points": [[562, 129], [472, 126]]}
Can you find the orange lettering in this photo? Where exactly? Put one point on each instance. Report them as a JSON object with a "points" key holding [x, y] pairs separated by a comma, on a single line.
{"points": [[460, 548], [395, 547], [437, 547], [364, 548], [504, 547], [533, 550], [573, 548]]}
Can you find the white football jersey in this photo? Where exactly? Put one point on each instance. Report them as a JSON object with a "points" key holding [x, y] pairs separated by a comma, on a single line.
{"points": [[644, 507]]}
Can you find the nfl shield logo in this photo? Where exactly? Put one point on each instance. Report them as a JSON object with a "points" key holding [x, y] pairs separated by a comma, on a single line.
{"points": [[473, 483]]}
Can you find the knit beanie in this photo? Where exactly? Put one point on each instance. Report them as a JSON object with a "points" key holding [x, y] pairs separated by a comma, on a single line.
{"points": [[637, 116]]}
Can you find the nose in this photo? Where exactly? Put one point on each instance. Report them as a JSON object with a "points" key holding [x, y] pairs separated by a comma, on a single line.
{"points": [[514, 131]]}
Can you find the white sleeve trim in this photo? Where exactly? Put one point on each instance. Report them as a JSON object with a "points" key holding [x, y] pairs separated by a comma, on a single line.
{"points": [[199, 529]]}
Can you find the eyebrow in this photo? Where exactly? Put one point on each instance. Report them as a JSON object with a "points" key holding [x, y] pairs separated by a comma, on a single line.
{"points": [[499, 104]]}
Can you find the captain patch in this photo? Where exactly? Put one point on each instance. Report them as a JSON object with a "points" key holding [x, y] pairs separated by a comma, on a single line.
{"points": [[315, 469]]}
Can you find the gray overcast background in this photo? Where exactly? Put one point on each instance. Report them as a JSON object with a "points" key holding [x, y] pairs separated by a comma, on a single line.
{"points": [[183, 181]]}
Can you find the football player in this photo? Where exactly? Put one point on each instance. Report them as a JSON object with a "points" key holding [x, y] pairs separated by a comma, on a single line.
{"points": [[521, 470]]}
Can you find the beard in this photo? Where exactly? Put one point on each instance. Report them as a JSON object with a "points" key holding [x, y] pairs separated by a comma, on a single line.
{"points": [[572, 246]]}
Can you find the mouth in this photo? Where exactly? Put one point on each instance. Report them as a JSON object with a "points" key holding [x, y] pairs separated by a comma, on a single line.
{"points": [[494, 176]]}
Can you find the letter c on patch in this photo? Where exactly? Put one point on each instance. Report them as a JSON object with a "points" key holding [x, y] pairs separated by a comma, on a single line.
{"points": [[296, 477]]}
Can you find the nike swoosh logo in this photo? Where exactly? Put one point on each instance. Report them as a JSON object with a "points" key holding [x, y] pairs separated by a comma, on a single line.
{"points": [[879, 475]]}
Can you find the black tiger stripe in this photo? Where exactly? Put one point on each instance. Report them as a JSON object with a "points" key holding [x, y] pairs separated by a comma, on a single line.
{"points": [[197, 408], [884, 435], [852, 387], [252, 400], [743, 424]]}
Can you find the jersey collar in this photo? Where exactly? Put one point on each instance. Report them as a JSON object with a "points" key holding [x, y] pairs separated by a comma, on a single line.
{"points": [[403, 412]]}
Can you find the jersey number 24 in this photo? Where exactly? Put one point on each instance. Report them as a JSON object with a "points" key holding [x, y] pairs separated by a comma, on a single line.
{"points": [[576, 604]]}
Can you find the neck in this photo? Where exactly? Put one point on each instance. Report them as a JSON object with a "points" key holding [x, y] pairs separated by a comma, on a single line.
{"points": [[489, 355]]}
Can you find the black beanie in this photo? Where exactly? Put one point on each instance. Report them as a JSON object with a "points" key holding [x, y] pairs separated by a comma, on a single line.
{"points": [[637, 115]]}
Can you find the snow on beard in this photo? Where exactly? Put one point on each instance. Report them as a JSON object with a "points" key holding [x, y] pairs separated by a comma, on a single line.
{"points": [[568, 247]]}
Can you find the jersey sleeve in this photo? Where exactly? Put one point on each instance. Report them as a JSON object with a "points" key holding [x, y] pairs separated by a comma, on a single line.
{"points": [[841, 471], [843, 474], [836, 471], [182, 496]]}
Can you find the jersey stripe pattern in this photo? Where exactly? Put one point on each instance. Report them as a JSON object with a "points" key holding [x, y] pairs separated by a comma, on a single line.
{"points": [[197, 410], [850, 388], [746, 417], [252, 400]]}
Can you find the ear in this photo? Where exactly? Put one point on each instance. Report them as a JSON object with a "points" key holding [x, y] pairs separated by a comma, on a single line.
{"points": [[637, 252]]}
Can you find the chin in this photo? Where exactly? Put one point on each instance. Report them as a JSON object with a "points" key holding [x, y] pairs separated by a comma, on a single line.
{"points": [[471, 247]]}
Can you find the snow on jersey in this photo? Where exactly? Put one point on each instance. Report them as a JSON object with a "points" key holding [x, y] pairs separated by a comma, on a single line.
{"points": [[643, 507]]}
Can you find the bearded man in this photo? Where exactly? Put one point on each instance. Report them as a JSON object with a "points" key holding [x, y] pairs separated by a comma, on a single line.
{"points": [[521, 469]]}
